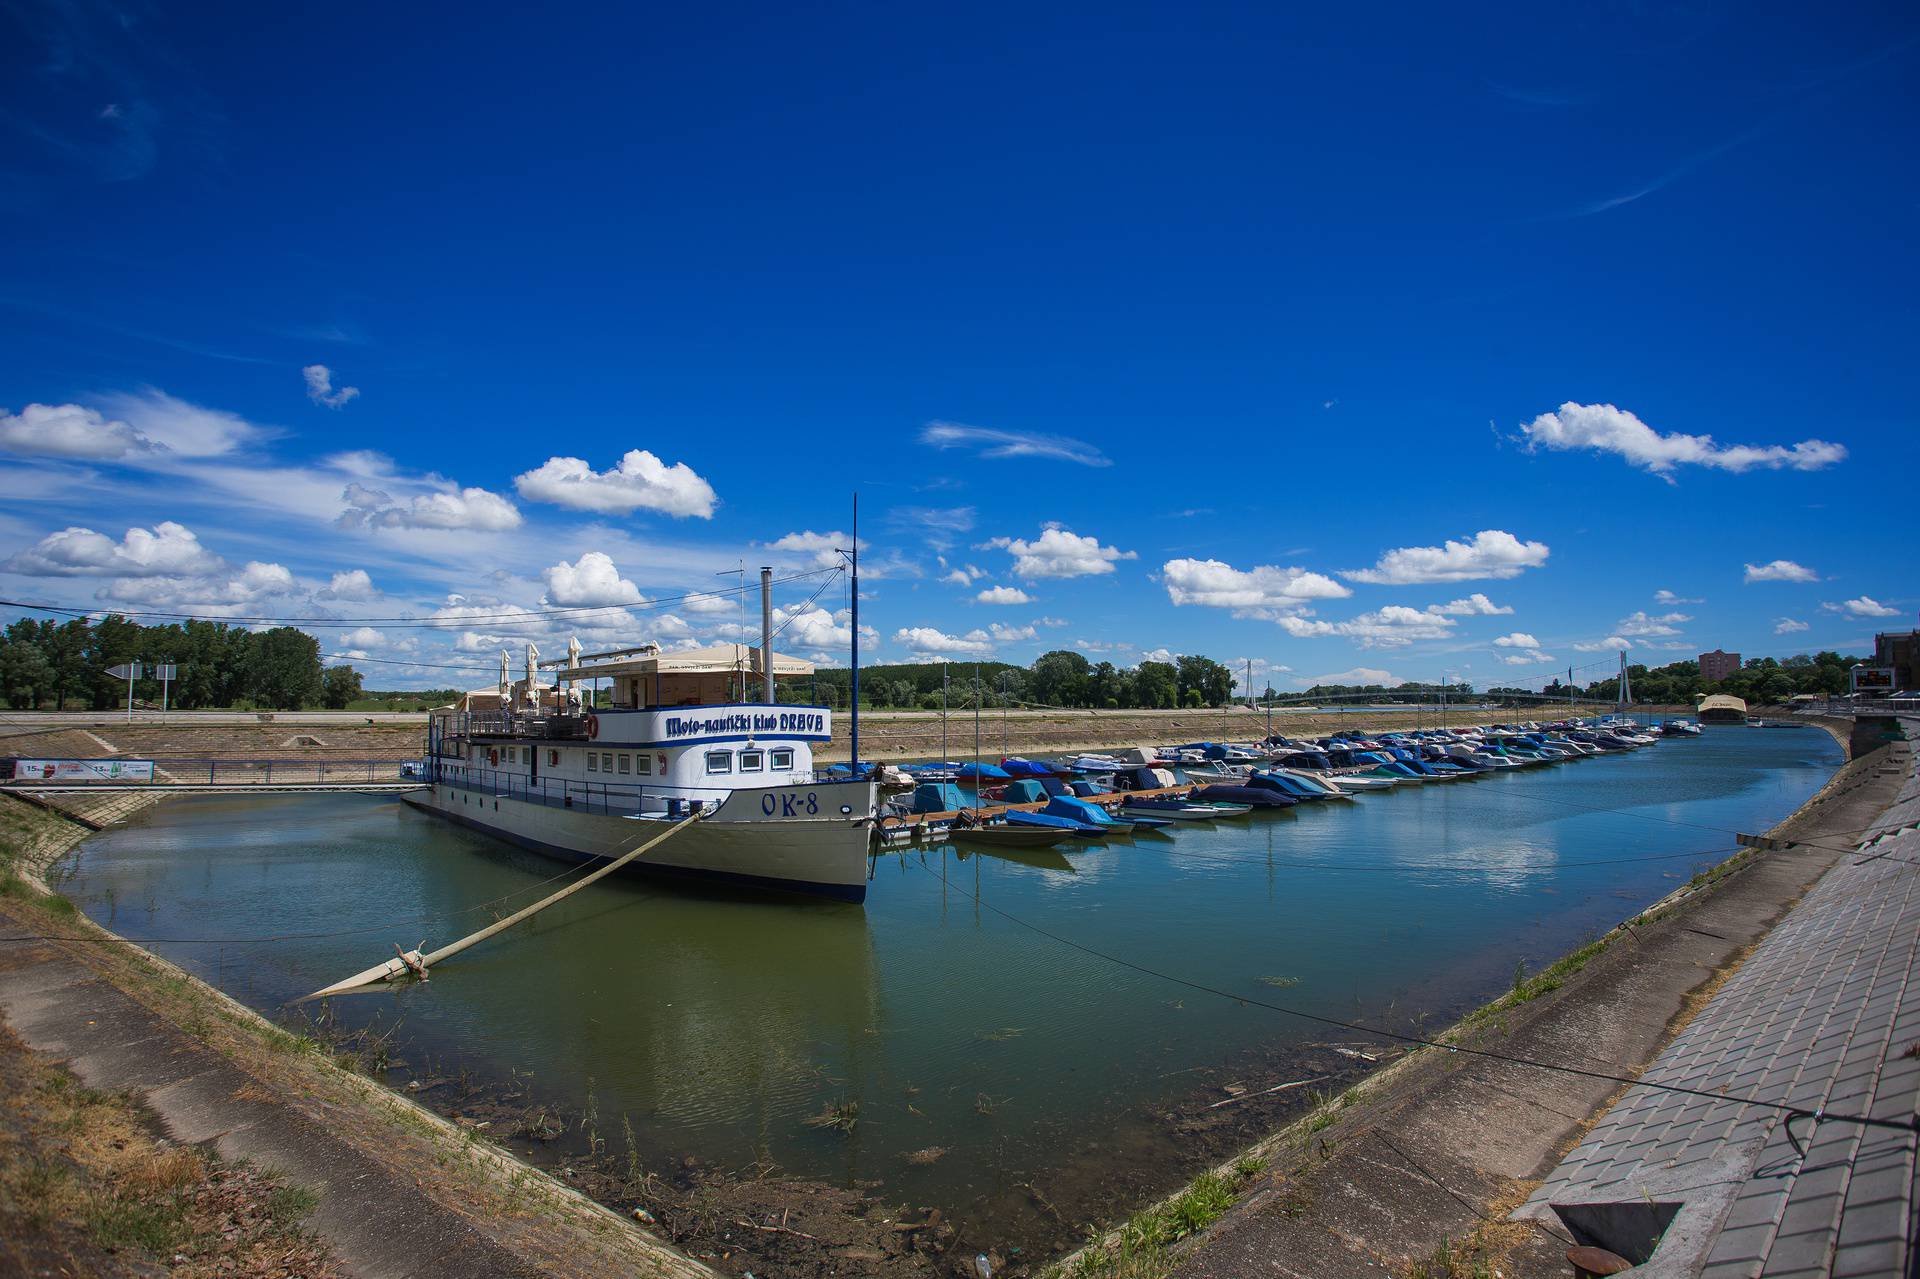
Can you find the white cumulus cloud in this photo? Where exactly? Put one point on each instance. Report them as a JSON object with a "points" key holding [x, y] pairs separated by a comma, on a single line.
{"points": [[351, 584], [70, 431], [1862, 606], [592, 581], [166, 550], [1519, 639], [1008, 634], [1642, 623], [1604, 428], [219, 592], [641, 480], [1474, 605], [820, 548], [1664, 596], [1787, 626], [1781, 571], [1611, 644], [927, 642], [1220, 585], [1389, 627], [1003, 595], [1060, 553], [451, 508], [1490, 553]]}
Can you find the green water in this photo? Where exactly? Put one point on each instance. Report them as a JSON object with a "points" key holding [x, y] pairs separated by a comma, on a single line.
{"points": [[717, 1024]]}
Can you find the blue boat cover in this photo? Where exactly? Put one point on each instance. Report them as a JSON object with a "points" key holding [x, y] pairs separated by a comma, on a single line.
{"points": [[1078, 810], [986, 772], [937, 797], [1059, 823], [1024, 791]]}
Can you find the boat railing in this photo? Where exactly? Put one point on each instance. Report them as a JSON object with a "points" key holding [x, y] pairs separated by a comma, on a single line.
{"points": [[619, 799], [549, 726]]}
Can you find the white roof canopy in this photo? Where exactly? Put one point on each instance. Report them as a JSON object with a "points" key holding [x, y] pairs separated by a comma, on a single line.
{"points": [[719, 659]]}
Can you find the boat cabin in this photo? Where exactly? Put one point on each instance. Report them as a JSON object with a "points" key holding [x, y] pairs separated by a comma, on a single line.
{"points": [[676, 726]]}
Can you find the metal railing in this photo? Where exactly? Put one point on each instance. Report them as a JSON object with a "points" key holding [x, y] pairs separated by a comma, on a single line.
{"points": [[542, 726]]}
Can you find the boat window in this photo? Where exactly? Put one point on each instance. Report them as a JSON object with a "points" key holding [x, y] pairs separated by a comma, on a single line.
{"points": [[643, 764], [750, 761], [625, 765], [593, 761], [606, 761], [719, 762], [782, 759]]}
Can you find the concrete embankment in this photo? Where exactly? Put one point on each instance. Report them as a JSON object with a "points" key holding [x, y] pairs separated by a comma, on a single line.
{"points": [[394, 1189], [1413, 1170]]}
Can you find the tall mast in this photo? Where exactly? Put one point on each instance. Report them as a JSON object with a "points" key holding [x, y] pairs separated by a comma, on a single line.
{"points": [[854, 733], [976, 737]]}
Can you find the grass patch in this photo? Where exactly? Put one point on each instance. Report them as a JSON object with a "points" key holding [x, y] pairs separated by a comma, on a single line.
{"points": [[1451, 1261], [157, 1225], [1526, 988], [288, 1206], [1139, 1249]]}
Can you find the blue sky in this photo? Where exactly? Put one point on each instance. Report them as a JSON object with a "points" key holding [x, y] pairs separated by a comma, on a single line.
{"points": [[1340, 342]]}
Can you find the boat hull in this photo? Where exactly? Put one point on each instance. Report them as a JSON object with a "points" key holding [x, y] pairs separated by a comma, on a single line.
{"points": [[825, 855]]}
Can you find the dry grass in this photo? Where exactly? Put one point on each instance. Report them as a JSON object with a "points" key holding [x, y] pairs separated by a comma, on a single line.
{"points": [[86, 1187]]}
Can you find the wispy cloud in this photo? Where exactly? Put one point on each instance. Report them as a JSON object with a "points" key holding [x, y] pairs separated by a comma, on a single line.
{"points": [[1642, 190], [990, 441]]}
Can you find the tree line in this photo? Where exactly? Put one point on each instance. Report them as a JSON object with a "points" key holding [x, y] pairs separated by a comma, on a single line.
{"points": [[1759, 681], [1060, 678], [60, 665], [55, 665]]}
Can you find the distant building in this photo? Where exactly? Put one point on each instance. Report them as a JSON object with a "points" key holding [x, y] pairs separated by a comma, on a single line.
{"points": [[1894, 649], [1716, 666]]}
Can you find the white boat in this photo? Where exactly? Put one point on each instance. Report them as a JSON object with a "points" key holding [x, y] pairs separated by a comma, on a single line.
{"points": [[545, 768]]}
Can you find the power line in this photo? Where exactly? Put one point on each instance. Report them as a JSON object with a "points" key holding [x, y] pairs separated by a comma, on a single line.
{"points": [[518, 617]]}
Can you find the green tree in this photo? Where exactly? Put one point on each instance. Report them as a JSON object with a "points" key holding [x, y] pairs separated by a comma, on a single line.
{"points": [[1154, 684], [339, 687], [1059, 679], [25, 673], [1212, 681], [283, 668]]}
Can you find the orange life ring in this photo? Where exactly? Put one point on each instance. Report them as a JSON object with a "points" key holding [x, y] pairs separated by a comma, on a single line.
{"points": [[593, 727]]}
